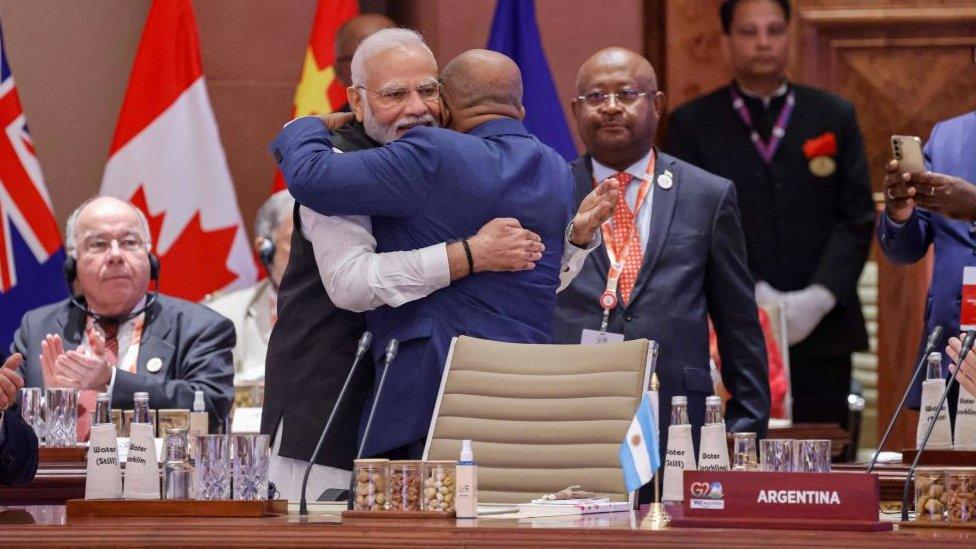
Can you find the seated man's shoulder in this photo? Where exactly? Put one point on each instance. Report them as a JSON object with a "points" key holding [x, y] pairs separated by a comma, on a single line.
{"points": [[958, 123], [56, 309]]}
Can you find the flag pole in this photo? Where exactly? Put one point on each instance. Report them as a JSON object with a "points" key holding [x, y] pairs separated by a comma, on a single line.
{"points": [[657, 517]]}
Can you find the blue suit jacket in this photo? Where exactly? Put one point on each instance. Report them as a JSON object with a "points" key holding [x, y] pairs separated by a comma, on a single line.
{"points": [[694, 266], [431, 186], [18, 449], [950, 151]]}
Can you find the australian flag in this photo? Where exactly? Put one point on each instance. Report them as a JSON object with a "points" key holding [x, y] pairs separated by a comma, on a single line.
{"points": [[31, 254], [515, 33]]}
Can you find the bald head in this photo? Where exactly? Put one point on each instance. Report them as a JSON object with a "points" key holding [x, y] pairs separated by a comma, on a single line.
{"points": [[616, 60], [483, 80], [350, 35], [93, 209], [618, 106]]}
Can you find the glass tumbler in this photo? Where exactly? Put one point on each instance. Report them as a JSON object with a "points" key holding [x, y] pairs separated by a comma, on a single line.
{"points": [[811, 456], [61, 411], [211, 473], [251, 457], [744, 452], [776, 455], [439, 484], [32, 410]]}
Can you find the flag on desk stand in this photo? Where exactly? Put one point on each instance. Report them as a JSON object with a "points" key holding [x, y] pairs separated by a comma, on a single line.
{"points": [[515, 33], [319, 91], [166, 159], [31, 254], [640, 457]]}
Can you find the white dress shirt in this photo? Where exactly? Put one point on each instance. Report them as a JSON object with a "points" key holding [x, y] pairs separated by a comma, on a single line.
{"points": [[359, 279], [638, 170], [3, 434]]}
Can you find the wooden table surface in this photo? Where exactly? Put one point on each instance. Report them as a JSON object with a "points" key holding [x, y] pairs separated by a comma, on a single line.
{"points": [[46, 526]]}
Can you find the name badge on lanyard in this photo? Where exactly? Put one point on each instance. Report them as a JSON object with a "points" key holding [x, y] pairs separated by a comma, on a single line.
{"points": [[608, 299]]}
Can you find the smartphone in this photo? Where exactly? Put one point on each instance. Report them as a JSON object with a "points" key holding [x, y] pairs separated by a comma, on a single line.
{"points": [[907, 150]]}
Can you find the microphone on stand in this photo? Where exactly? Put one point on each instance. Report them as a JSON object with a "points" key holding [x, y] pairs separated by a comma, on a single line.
{"points": [[361, 349], [967, 346], [391, 351], [934, 337]]}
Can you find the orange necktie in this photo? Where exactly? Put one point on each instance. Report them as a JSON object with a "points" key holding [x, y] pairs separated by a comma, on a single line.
{"points": [[623, 223]]}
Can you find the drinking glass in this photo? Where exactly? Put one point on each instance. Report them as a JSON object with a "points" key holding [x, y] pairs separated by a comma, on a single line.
{"points": [[251, 456], [211, 474], [776, 455], [32, 410], [61, 411], [811, 456], [744, 452]]}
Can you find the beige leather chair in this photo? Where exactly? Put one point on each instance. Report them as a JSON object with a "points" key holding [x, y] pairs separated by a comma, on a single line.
{"points": [[540, 417]]}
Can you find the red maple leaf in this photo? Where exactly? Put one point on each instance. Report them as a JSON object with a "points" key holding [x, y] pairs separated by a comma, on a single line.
{"points": [[195, 264]]}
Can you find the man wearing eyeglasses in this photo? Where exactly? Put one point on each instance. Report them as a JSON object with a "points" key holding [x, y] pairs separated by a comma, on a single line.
{"points": [[672, 256], [115, 335], [797, 159]]}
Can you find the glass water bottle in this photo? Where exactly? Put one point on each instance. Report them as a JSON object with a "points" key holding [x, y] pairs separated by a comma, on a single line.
{"points": [[934, 370], [140, 413], [713, 410], [679, 410], [103, 409]]}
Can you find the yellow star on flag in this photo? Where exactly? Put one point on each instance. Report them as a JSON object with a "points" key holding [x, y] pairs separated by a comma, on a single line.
{"points": [[311, 95]]}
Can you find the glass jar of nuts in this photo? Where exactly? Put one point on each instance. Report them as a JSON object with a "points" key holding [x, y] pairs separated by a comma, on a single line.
{"points": [[405, 485], [961, 487], [439, 486], [372, 488], [930, 494]]}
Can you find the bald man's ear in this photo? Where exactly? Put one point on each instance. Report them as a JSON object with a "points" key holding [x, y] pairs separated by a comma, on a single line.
{"points": [[660, 104], [445, 112], [355, 102]]}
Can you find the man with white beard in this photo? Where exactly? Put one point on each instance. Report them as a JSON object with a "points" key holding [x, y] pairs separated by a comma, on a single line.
{"points": [[334, 273]]}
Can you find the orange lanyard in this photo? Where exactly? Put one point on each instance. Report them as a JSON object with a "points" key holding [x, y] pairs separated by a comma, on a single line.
{"points": [[608, 300]]}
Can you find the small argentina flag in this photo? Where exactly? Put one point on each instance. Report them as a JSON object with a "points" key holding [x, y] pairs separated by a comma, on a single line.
{"points": [[640, 457]]}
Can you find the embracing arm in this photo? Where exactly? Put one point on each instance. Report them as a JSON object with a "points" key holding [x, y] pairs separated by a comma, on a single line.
{"points": [[392, 180]]}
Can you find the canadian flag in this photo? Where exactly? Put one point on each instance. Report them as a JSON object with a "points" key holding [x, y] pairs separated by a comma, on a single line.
{"points": [[167, 160]]}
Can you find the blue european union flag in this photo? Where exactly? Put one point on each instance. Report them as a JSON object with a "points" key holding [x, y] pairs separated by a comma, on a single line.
{"points": [[515, 33]]}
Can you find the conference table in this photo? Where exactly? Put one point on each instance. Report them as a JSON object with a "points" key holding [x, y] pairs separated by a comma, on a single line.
{"points": [[46, 525]]}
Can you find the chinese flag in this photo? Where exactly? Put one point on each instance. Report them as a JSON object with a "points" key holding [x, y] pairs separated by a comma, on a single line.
{"points": [[319, 92]]}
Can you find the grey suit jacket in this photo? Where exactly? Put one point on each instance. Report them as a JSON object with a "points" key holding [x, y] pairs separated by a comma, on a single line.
{"points": [[194, 344]]}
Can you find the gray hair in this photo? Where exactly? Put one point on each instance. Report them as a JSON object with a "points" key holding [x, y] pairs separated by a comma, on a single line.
{"points": [[69, 226], [271, 213], [380, 41]]}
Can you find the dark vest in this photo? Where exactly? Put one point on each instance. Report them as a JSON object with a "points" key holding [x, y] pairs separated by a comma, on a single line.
{"points": [[310, 353]]}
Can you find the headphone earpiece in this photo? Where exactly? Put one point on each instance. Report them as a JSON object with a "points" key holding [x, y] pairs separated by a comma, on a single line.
{"points": [[153, 267], [266, 252], [70, 270]]}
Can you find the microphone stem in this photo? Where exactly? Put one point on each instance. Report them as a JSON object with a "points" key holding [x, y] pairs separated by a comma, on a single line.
{"points": [[372, 410], [966, 347], [303, 506], [901, 405]]}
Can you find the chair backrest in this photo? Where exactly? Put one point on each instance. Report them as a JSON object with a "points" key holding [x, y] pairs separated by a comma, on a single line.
{"points": [[540, 417]]}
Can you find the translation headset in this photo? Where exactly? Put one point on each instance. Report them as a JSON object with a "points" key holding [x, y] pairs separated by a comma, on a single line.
{"points": [[266, 251], [71, 273]]}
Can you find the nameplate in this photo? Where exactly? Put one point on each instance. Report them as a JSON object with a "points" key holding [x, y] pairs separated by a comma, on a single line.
{"points": [[818, 496]]}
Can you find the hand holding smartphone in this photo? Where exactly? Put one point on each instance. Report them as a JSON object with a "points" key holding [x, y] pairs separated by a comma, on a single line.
{"points": [[907, 150]]}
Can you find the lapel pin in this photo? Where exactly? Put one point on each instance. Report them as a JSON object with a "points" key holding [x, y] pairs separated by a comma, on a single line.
{"points": [[154, 365], [664, 180]]}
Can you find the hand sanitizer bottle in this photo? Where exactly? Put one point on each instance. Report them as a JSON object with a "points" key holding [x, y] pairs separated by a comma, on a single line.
{"points": [[466, 499]]}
